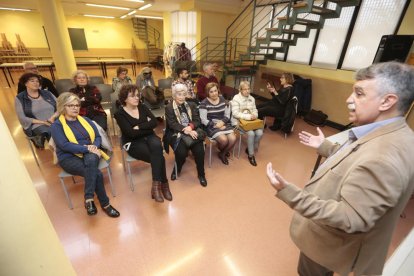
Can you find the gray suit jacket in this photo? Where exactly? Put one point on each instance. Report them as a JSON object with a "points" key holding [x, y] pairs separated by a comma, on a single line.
{"points": [[346, 214]]}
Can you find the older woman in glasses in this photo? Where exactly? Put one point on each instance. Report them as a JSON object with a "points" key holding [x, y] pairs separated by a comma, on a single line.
{"points": [[137, 125], [90, 97], [78, 150]]}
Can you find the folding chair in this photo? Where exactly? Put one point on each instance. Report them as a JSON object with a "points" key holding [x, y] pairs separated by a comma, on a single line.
{"points": [[103, 164]]}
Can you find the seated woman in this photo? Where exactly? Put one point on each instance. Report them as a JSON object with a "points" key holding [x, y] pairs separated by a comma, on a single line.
{"points": [[90, 99], [215, 115], [276, 107], [137, 125], [36, 109], [183, 132], [77, 148], [121, 78], [243, 106]]}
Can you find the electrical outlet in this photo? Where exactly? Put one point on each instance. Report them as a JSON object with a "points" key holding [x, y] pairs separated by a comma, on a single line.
{"points": [[261, 90]]}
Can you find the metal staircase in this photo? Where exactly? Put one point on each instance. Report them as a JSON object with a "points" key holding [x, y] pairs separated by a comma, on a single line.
{"points": [[265, 30], [150, 36]]}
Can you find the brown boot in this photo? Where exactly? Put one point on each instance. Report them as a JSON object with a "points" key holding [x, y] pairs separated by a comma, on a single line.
{"points": [[166, 190], [156, 191]]}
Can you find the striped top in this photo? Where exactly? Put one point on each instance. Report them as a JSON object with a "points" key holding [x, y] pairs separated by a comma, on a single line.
{"points": [[210, 114]]}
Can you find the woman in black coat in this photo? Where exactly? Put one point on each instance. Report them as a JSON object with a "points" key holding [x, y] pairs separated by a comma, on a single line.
{"points": [[137, 125], [276, 107], [183, 132]]}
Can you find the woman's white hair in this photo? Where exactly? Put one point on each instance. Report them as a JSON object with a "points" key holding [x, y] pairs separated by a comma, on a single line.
{"points": [[178, 88], [78, 72]]}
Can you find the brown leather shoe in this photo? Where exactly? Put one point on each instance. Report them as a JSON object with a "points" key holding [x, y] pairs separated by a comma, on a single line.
{"points": [[156, 191], [165, 187]]}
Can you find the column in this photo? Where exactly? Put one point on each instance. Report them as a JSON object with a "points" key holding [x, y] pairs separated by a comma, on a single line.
{"points": [[58, 37]]}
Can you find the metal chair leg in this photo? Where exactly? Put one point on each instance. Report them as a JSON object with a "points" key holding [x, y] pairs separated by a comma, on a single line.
{"points": [[209, 159], [33, 152], [113, 191], [66, 193], [240, 137], [131, 184]]}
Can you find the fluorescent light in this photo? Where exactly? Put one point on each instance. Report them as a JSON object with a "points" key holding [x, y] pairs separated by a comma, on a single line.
{"points": [[130, 13], [125, 15], [147, 16], [145, 7], [99, 16], [108, 7], [14, 9], [137, 1]]}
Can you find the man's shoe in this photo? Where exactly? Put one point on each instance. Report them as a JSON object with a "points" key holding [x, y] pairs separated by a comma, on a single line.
{"points": [[203, 180], [252, 160], [91, 208], [111, 211]]}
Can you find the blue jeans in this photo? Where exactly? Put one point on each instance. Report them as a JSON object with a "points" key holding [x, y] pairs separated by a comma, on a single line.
{"points": [[253, 140], [87, 167]]}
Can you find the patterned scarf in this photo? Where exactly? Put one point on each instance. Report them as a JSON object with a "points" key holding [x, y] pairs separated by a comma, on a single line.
{"points": [[178, 113], [71, 136]]}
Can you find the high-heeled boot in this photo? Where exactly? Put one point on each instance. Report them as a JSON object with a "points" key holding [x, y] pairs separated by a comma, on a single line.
{"points": [[165, 187], [156, 191]]}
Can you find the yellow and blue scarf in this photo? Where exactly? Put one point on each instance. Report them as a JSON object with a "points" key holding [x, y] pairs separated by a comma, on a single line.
{"points": [[71, 136]]}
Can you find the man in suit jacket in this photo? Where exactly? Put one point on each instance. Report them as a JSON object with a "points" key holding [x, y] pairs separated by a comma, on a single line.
{"points": [[345, 216]]}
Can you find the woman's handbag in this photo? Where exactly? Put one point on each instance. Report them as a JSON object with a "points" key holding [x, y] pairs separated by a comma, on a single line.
{"points": [[250, 125], [189, 141]]}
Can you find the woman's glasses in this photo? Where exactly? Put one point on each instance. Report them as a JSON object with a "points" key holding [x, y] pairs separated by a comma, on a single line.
{"points": [[73, 105]]}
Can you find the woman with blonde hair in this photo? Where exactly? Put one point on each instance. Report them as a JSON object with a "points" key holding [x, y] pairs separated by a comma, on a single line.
{"points": [[90, 99], [243, 106], [277, 106], [215, 116], [78, 151]]}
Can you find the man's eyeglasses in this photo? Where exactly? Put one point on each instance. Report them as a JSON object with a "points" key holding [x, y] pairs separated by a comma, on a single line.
{"points": [[31, 68], [73, 105]]}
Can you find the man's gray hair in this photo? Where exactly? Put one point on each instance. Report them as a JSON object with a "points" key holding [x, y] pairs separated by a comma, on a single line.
{"points": [[391, 77], [207, 64]]}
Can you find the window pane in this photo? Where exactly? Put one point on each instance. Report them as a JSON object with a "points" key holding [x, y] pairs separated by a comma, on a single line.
{"points": [[375, 19], [331, 39]]}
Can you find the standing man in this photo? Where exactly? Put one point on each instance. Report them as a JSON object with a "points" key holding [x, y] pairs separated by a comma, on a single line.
{"points": [[202, 82], [345, 216], [183, 75], [45, 83], [184, 53]]}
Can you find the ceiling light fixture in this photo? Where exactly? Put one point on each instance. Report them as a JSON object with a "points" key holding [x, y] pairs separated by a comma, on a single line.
{"points": [[99, 16], [147, 16], [131, 13], [14, 9], [145, 7], [108, 7], [125, 15], [137, 1]]}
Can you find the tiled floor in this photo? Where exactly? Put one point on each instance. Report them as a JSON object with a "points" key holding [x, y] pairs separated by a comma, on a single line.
{"points": [[234, 226]]}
